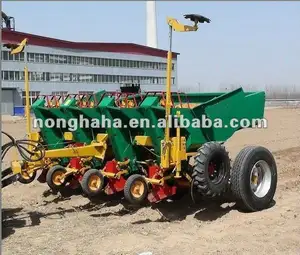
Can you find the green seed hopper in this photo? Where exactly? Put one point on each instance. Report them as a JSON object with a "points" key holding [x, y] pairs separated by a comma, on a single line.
{"points": [[220, 108], [49, 108]]}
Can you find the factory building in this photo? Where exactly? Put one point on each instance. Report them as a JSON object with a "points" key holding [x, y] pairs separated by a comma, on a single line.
{"points": [[60, 67]]}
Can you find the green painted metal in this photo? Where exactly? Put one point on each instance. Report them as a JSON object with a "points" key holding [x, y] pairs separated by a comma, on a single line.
{"points": [[214, 106], [52, 137], [121, 140], [85, 116]]}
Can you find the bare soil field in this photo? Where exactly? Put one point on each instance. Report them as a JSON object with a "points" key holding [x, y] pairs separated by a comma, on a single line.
{"points": [[38, 222]]}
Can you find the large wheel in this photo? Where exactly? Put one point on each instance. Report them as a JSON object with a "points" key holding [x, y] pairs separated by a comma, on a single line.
{"points": [[211, 169], [136, 189], [254, 178], [55, 177], [92, 182], [25, 177]]}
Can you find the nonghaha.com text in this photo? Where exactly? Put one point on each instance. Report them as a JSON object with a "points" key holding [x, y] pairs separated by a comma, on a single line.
{"points": [[73, 124]]}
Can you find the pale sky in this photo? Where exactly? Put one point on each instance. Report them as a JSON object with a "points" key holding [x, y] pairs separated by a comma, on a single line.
{"points": [[247, 43]]}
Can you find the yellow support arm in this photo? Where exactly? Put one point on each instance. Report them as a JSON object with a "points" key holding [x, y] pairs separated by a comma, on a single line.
{"points": [[178, 27], [18, 48], [96, 150]]}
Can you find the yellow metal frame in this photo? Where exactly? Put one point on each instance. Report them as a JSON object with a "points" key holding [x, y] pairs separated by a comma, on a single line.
{"points": [[122, 166], [97, 149], [17, 49], [143, 140], [173, 150]]}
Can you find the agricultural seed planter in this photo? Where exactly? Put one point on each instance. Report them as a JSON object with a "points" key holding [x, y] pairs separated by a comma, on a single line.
{"points": [[150, 162]]}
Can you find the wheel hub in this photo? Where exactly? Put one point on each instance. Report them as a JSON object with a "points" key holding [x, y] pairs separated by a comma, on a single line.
{"points": [[58, 178], [260, 178], [215, 171], [94, 183], [137, 189]]}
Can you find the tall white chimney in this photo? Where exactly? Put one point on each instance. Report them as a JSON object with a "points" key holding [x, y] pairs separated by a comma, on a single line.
{"points": [[151, 24]]}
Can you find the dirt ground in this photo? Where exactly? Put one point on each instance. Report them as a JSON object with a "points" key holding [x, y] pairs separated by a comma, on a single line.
{"points": [[38, 222]]}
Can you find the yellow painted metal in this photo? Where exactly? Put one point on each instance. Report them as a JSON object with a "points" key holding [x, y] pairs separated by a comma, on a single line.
{"points": [[108, 174], [143, 140], [187, 105], [71, 171], [20, 47], [114, 175], [68, 136], [16, 167], [101, 138], [27, 175], [137, 189], [160, 181], [178, 27], [166, 143], [58, 178], [94, 183], [119, 173], [17, 49], [123, 163], [27, 107], [254, 180], [95, 149], [178, 150], [178, 153], [35, 137], [168, 155]]}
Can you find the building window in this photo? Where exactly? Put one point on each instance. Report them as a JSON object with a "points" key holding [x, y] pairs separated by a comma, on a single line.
{"points": [[33, 95], [30, 57], [86, 92], [39, 58], [88, 61], [47, 58], [4, 55], [59, 93], [55, 77], [11, 76], [82, 78], [10, 57], [66, 77]]}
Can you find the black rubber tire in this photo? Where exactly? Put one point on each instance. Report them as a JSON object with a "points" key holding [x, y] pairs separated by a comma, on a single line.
{"points": [[26, 181], [49, 177], [85, 182], [201, 179], [240, 178], [127, 189]]}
